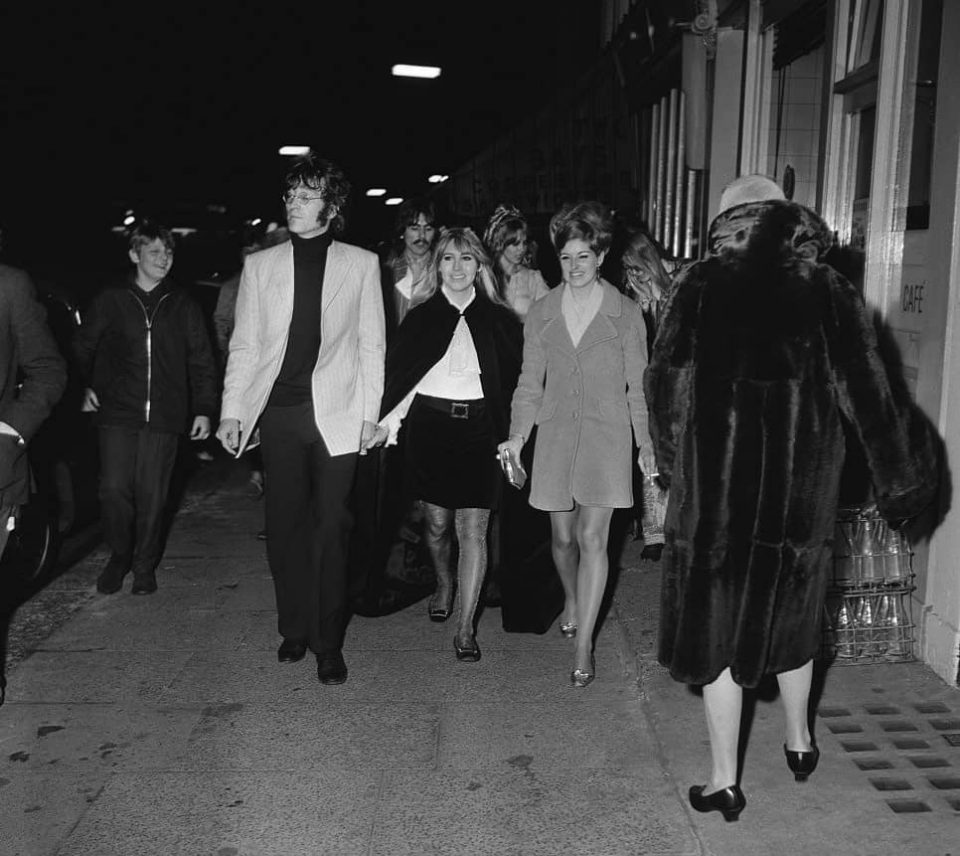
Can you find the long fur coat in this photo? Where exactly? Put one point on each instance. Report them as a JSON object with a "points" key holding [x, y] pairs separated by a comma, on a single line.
{"points": [[763, 359]]}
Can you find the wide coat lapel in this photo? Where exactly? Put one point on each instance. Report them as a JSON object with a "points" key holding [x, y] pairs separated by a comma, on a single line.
{"points": [[602, 328], [554, 330], [334, 273]]}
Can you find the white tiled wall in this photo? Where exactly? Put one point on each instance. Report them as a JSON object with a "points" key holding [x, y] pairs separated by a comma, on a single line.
{"points": [[800, 125]]}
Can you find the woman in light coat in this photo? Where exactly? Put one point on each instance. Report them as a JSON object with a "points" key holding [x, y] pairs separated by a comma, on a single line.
{"points": [[581, 383]]}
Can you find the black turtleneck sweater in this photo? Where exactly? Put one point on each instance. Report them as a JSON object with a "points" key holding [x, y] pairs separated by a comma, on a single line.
{"points": [[293, 384]]}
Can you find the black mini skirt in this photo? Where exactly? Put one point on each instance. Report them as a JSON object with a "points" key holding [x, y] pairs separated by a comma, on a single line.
{"points": [[451, 453]]}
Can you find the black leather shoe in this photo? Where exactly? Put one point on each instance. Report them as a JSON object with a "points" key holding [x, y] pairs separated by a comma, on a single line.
{"points": [[111, 577], [331, 668], [144, 584], [291, 651], [802, 764], [728, 801]]}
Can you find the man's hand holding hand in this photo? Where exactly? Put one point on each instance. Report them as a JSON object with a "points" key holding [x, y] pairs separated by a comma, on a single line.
{"points": [[228, 433], [90, 403]]}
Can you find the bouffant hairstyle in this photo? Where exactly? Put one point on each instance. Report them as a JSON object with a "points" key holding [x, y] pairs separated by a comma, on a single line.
{"points": [[587, 221], [328, 180]]}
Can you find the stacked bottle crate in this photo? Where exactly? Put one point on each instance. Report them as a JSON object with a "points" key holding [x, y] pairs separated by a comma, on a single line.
{"points": [[868, 613]]}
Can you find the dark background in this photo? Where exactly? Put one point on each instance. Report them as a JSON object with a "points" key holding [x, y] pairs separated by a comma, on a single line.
{"points": [[178, 110]]}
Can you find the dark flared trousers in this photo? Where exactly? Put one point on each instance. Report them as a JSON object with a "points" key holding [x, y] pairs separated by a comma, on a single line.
{"points": [[135, 469], [307, 495]]}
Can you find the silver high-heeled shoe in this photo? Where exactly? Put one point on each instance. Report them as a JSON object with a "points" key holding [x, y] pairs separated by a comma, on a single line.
{"points": [[568, 631], [583, 677]]}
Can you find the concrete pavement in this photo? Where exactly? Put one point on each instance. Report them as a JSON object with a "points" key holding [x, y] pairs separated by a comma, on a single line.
{"points": [[164, 725]]}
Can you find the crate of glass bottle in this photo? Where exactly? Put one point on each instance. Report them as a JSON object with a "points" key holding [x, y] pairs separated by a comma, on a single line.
{"points": [[869, 625], [866, 551]]}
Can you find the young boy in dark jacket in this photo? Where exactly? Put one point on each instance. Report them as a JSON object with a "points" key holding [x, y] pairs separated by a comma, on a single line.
{"points": [[146, 356]]}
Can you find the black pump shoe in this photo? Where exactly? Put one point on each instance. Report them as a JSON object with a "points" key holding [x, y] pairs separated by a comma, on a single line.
{"points": [[802, 764], [439, 609], [467, 650], [728, 801]]}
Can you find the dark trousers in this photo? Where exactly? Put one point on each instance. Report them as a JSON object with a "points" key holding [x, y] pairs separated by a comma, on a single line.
{"points": [[135, 469], [307, 495]]}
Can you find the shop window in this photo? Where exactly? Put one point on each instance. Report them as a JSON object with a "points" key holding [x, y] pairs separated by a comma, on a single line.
{"points": [[924, 114], [866, 18]]}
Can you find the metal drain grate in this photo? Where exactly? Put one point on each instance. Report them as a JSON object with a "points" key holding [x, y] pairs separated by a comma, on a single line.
{"points": [[881, 710], [931, 707], [830, 712], [858, 746], [891, 784], [844, 727], [945, 783], [868, 764], [908, 806], [900, 725], [929, 763], [911, 743]]}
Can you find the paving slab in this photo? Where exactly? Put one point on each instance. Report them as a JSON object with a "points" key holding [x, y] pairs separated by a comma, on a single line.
{"points": [[523, 810], [229, 814]]}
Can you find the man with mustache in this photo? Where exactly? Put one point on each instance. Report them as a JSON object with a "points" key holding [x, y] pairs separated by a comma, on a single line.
{"points": [[404, 270], [147, 361], [306, 368]]}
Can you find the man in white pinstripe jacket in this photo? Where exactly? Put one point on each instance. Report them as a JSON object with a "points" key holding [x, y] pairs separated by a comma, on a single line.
{"points": [[306, 368]]}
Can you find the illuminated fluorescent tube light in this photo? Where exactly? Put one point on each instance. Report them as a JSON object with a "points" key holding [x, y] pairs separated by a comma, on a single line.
{"points": [[377, 191], [428, 72], [295, 150], [393, 200]]}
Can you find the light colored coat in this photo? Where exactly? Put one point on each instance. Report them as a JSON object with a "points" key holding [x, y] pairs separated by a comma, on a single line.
{"points": [[584, 400], [348, 376]]}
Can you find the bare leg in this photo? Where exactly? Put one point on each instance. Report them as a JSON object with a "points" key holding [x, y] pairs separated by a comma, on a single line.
{"points": [[722, 703], [795, 694], [471, 525], [437, 522], [593, 528], [566, 557]]}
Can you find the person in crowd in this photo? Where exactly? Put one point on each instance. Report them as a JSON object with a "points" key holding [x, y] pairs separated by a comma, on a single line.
{"points": [[33, 376], [306, 368], [224, 315], [646, 281], [450, 373], [584, 355], [404, 271], [506, 239], [389, 569], [763, 353], [148, 367]]}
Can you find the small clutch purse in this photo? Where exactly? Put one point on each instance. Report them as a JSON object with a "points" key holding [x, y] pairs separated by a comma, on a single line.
{"points": [[513, 470]]}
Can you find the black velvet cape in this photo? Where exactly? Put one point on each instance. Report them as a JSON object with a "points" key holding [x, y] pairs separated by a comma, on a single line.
{"points": [[423, 339], [762, 357]]}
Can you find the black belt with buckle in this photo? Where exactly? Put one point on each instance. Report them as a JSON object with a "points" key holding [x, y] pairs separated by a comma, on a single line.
{"points": [[453, 409]]}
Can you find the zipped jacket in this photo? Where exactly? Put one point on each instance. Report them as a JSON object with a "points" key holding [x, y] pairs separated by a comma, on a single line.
{"points": [[147, 366]]}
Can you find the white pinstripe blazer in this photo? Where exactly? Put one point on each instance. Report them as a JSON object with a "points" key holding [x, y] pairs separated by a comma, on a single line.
{"points": [[348, 376]]}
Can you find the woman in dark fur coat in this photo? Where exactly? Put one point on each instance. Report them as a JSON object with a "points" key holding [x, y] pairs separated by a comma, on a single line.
{"points": [[450, 372], [761, 357]]}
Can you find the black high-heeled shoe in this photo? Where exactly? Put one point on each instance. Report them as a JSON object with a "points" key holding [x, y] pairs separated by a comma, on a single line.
{"points": [[466, 648], [439, 609], [728, 801], [802, 764]]}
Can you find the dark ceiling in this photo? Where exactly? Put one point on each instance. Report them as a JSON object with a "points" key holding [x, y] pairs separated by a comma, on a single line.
{"points": [[162, 104]]}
